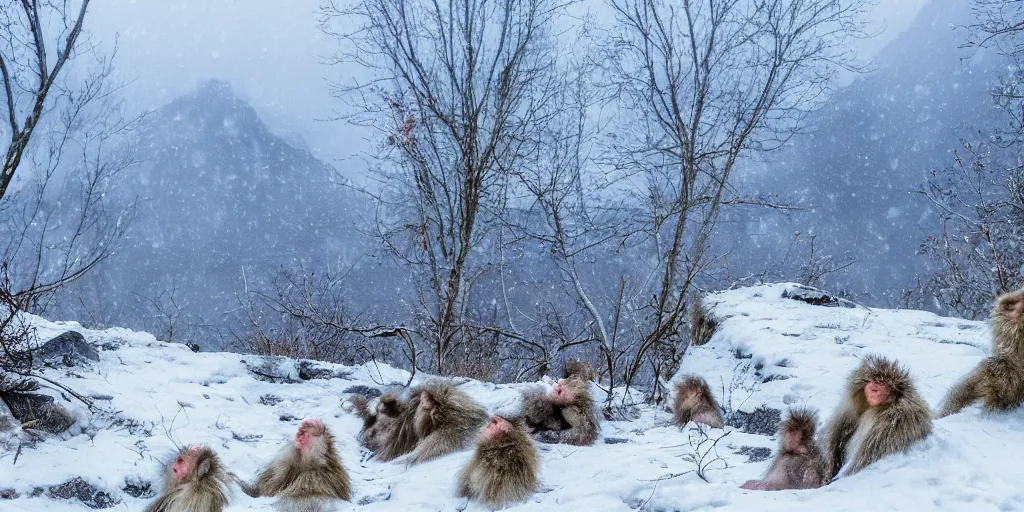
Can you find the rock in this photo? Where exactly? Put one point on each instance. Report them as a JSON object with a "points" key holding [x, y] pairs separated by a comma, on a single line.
{"points": [[70, 348], [271, 400], [755, 453], [8, 494], [360, 389], [309, 371], [814, 297], [615, 440], [381, 496], [79, 489], [136, 487], [763, 421], [246, 438], [38, 412]]}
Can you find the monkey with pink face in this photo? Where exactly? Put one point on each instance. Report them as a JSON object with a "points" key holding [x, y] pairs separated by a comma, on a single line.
{"points": [[504, 467], [799, 463], [308, 473], [695, 402], [881, 414], [564, 415], [194, 482]]}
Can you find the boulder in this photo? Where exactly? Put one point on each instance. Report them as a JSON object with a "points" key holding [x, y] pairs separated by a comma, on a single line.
{"points": [[69, 348], [77, 488], [38, 412]]}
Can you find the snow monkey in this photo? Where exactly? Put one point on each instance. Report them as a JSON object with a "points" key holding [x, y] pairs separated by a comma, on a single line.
{"points": [[798, 463], [446, 420], [380, 419], [998, 381], [307, 473], [194, 482], [578, 369], [402, 438], [504, 467], [881, 414], [694, 402], [565, 415]]}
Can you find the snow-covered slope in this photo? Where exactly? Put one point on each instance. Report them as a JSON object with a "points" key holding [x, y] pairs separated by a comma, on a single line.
{"points": [[152, 395]]}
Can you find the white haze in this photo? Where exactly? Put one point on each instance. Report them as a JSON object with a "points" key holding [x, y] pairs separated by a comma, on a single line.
{"points": [[271, 53]]}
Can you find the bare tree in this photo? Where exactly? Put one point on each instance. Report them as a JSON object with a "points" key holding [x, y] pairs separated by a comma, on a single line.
{"points": [[980, 197], [27, 75], [66, 121], [999, 24], [454, 89], [980, 201], [702, 84]]}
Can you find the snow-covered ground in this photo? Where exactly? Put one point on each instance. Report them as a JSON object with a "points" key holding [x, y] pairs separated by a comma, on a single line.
{"points": [[768, 350]]}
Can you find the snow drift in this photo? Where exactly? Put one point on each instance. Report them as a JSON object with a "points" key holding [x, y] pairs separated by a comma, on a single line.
{"points": [[772, 348]]}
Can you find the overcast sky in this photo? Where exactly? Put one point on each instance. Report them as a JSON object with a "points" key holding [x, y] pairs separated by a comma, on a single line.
{"points": [[270, 52]]}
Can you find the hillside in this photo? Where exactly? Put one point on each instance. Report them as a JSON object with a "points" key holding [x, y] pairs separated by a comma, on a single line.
{"points": [[869, 150], [768, 351], [218, 194]]}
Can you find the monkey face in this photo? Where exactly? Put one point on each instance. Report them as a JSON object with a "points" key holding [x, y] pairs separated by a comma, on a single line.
{"points": [[182, 467], [793, 442], [561, 394], [497, 428], [876, 394], [691, 396], [309, 433], [561, 391]]}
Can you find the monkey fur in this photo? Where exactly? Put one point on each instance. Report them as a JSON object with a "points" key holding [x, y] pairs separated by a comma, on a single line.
{"points": [[446, 420], [380, 420], [306, 475], [403, 437], [565, 415], [998, 380], [858, 435], [579, 369], [204, 488], [504, 467], [799, 463], [695, 402]]}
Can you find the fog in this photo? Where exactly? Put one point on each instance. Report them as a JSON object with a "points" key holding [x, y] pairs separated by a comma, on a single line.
{"points": [[272, 55], [254, 219]]}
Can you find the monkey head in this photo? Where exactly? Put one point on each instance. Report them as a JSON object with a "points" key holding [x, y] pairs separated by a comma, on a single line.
{"points": [[1011, 305], [565, 391], [879, 382], [497, 429], [309, 438], [798, 430], [693, 389], [1008, 322], [388, 406], [193, 463], [184, 466]]}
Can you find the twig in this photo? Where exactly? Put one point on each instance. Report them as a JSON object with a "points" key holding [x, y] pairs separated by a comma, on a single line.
{"points": [[88, 403]]}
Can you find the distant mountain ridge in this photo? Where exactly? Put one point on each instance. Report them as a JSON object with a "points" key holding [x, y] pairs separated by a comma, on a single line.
{"points": [[858, 169], [219, 193]]}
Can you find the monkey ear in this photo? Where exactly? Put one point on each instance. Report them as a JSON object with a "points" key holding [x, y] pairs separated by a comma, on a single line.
{"points": [[204, 467]]}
